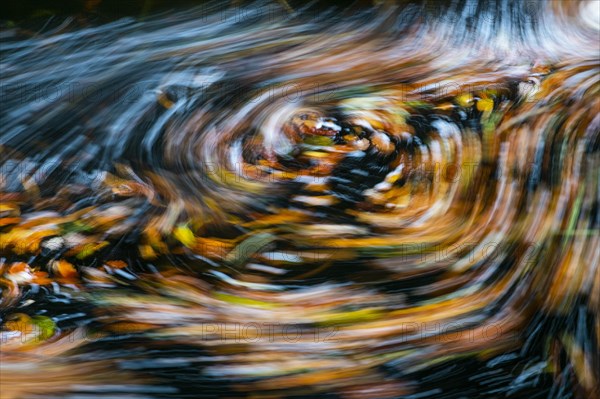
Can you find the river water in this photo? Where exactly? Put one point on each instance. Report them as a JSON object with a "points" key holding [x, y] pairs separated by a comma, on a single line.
{"points": [[263, 201]]}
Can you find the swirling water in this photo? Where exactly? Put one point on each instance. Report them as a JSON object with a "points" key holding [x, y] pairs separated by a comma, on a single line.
{"points": [[385, 203]]}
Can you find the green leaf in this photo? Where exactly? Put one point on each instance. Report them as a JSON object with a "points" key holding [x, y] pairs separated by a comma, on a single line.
{"points": [[251, 245], [237, 300], [322, 141], [46, 326]]}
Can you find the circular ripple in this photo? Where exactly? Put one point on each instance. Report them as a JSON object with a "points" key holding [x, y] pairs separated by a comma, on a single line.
{"points": [[363, 207]]}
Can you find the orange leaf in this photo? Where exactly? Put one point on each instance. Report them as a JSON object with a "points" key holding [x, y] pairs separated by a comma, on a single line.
{"points": [[117, 264], [65, 269]]}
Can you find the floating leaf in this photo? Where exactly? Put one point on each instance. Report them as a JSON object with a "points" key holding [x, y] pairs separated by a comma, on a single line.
{"points": [[355, 316], [89, 249], [249, 247], [485, 105], [117, 264], [64, 269], [45, 327], [322, 141], [237, 300], [464, 100], [184, 235]]}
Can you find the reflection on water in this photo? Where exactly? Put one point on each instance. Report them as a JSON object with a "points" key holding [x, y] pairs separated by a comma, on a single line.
{"points": [[392, 202]]}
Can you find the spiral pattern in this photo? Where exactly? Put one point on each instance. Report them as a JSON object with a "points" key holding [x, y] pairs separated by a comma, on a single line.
{"points": [[374, 205]]}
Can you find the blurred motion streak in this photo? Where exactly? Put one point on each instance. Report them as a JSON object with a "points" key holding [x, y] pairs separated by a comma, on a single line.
{"points": [[393, 200]]}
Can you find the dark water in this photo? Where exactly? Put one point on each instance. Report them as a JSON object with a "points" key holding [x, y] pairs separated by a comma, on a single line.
{"points": [[268, 201]]}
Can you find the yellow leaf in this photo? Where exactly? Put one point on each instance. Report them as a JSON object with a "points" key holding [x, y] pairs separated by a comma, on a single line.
{"points": [[89, 249], [464, 100], [184, 235], [485, 105]]}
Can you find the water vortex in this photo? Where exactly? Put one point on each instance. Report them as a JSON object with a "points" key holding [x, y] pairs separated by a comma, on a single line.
{"points": [[376, 204]]}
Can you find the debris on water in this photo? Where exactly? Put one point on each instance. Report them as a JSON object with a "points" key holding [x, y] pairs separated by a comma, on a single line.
{"points": [[369, 204]]}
